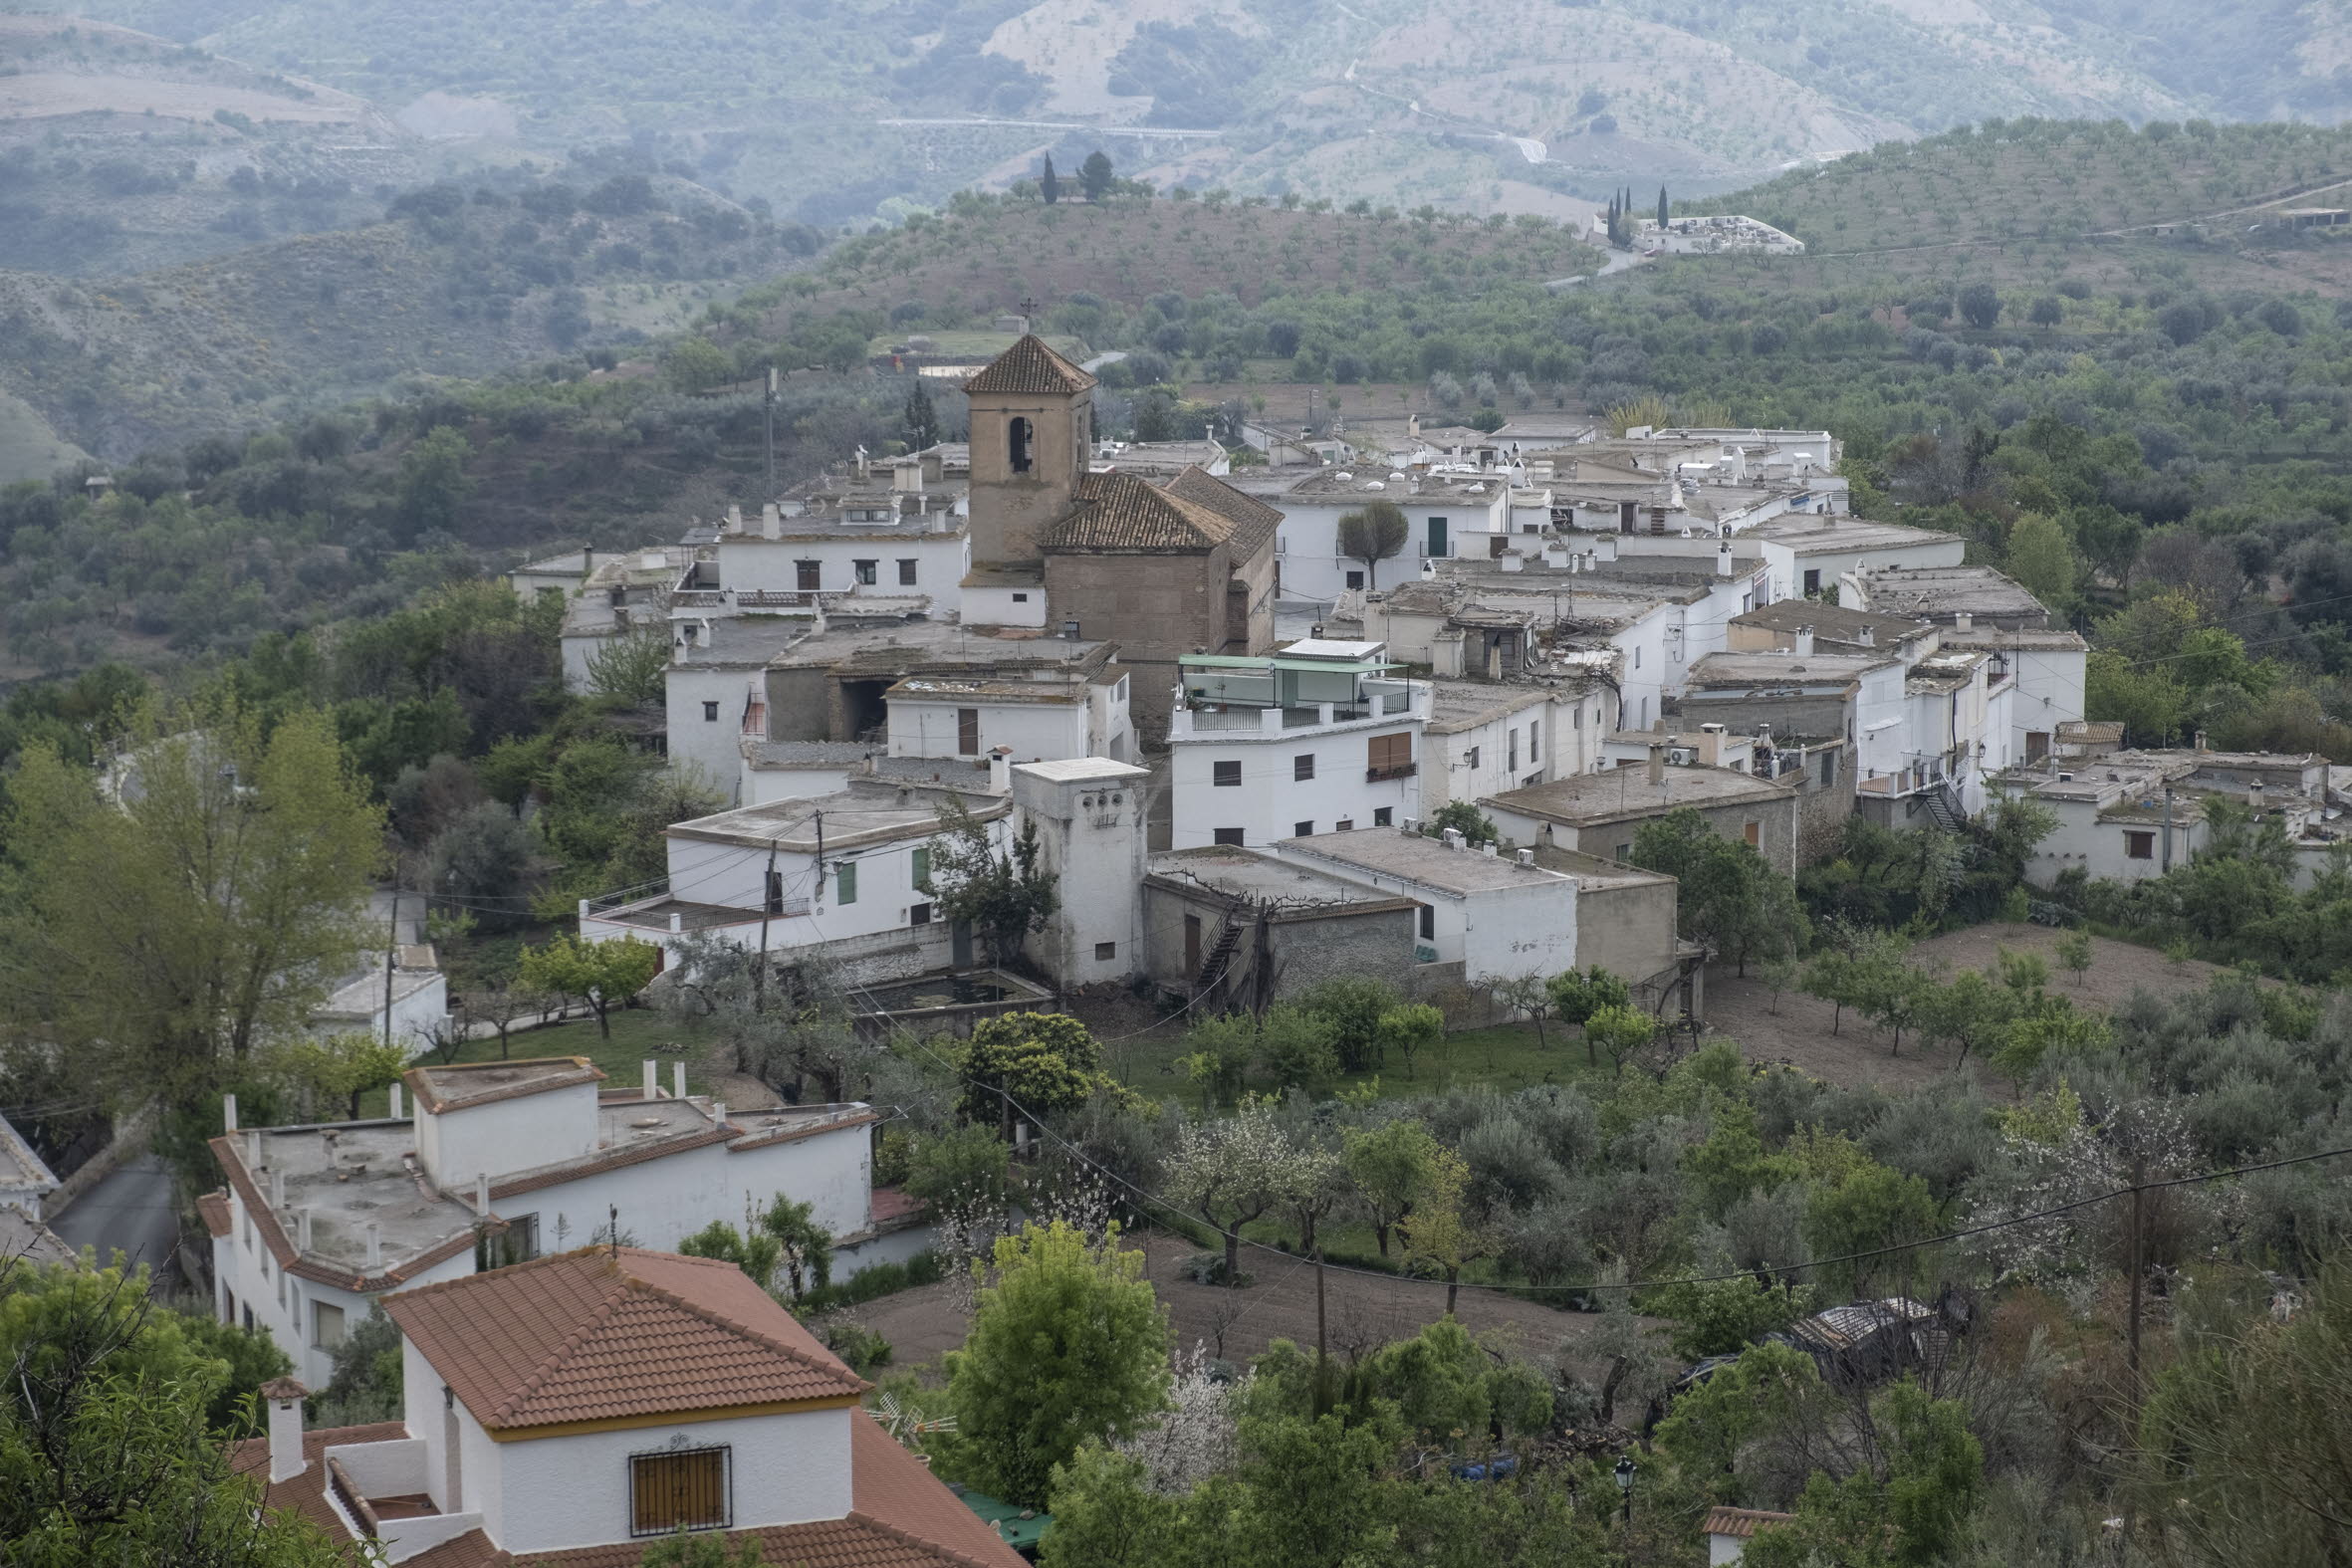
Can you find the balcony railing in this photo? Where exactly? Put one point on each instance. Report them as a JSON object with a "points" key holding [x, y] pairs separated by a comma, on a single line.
{"points": [[1392, 771]]}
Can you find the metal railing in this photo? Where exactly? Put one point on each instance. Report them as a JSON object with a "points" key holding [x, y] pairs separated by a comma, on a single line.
{"points": [[1392, 771]]}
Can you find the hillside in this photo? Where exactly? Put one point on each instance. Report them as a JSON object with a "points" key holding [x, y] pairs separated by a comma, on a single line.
{"points": [[121, 152], [454, 285], [833, 108]]}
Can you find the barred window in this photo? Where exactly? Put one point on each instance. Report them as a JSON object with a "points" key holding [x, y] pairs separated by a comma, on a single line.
{"points": [[679, 1490]]}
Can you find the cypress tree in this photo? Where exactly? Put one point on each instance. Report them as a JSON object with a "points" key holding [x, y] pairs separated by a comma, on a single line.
{"points": [[1661, 205], [1049, 185]]}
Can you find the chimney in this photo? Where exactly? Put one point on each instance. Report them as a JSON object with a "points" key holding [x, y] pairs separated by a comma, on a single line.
{"points": [[253, 1148], [1413, 426], [1454, 839], [1489, 847], [374, 1247], [1657, 763], [2200, 739], [1711, 744], [771, 521], [1867, 636], [718, 1113], [677, 1081], [2253, 798], [399, 1106], [302, 1231], [1000, 770], [652, 1084], [284, 1397], [482, 1192], [734, 517], [228, 1112], [1723, 559], [1962, 621], [1526, 857], [278, 1174], [1804, 642]]}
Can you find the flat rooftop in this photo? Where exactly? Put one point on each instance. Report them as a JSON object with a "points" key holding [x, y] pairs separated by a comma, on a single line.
{"points": [[736, 642], [950, 688], [1429, 862], [1622, 794], [859, 814], [1940, 591], [1833, 621], [2027, 640], [1364, 482], [1260, 876], [897, 644], [1812, 533], [1460, 705], [828, 755], [1777, 670], [452, 1086]]}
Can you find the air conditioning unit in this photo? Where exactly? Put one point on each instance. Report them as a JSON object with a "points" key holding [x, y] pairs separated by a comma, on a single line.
{"points": [[1681, 756]]}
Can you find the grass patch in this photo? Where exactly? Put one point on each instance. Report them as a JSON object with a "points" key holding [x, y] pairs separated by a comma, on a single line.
{"points": [[1504, 1056]]}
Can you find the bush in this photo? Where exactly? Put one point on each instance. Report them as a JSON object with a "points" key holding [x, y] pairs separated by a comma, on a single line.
{"points": [[871, 1284], [859, 1347]]}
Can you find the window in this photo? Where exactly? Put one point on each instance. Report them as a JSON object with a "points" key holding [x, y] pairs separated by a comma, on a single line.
{"points": [[680, 1490], [922, 868], [1577, 717], [1302, 768], [517, 1243], [1389, 757], [865, 571], [1474, 756], [1428, 922], [1225, 776], [1828, 768], [1356, 580], [1021, 598], [326, 1324], [1755, 834], [710, 712], [1812, 584], [2139, 846], [967, 732], [906, 573], [775, 892], [1535, 729], [1625, 851], [1016, 438], [805, 575], [1304, 829], [1637, 655], [920, 915], [1383, 815], [845, 882], [1227, 835], [1105, 952], [1513, 765], [1345, 824]]}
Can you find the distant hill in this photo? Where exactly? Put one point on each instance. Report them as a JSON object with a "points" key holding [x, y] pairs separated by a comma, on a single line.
{"points": [[834, 108], [455, 285]]}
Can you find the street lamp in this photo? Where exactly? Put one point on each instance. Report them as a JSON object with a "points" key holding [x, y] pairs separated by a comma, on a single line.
{"points": [[1624, 1474]]}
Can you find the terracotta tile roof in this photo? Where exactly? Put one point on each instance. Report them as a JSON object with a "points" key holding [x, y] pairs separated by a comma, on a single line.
{"points": [[892, 1203], [1122, 512], [600, 1334], [457, 1085], [306, 1493], [1252, 520], [1740, 1522], [1032, 368], [214, 1207]]}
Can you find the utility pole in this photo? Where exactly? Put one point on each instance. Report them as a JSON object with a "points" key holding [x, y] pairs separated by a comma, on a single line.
{"points": [[770, 897], [2139, 1267], [391, 948], [767, 403]]}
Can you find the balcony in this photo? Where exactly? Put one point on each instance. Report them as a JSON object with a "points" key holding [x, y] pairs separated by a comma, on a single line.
{"points": [[1392, 771]]}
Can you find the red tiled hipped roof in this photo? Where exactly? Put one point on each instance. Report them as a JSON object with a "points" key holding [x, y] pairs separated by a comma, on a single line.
{"points": [[603, 1334], [1123, 512], [1254, 521], [1029, 366], [214, 1207], [1742, 1522]]}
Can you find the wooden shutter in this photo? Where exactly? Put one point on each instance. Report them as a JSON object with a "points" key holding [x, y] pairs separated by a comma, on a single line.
{"points": [[684, 1490], [967, 732], [1389, 756]]}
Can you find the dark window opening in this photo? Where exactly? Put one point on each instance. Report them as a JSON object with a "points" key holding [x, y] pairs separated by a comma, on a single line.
{"points": [[1383, 815], [1428, 922], [1225, 776], [1017, 432], [1302, 829], [1302, 768], [1227, 835], [710, 712], [906, 573], [678, 1490], [1105, 952], [866, 570]]}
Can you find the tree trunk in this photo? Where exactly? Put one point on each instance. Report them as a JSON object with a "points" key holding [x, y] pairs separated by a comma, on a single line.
{"points": [[1380, 1234], [1233, 1259], [1608, 1391], [1453, 1288], [1837, 1015], [604, 1019], [1591, 1058]]}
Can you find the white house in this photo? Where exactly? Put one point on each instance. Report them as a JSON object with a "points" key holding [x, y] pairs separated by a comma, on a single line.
{"points": [[2045, 671], [801, 873], [1729, 1531], [1043, 714], [500, 1161], [894, 544], [1809, 556], [417, 991], [716, 685], [573, 1408], [1322, 737], [1446, 513], [1494, 914], [2126, 816], [1485, 737], [1089, 812]]}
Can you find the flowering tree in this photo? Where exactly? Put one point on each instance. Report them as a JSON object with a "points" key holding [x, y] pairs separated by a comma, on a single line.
{"points": [[1234, 1171], [1193, 1438]]}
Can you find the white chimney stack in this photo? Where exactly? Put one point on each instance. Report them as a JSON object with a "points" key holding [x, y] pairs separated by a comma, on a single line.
{"points": [[374, 1247], [228, 1112], [253, 1148], [718, 1113], [1962, 621], [482, 1192], [1723, 559], [1000, 770], [1804, 642], [302, 1226], [677, 1081], [1657, 763], [652, 1080], [284, 1396], [400, 1107], [771, 521]]}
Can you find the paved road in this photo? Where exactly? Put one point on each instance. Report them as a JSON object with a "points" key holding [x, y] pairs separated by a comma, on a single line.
{"points": [[130, 1210]]}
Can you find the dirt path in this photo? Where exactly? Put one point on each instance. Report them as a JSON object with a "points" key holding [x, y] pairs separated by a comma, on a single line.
{"points": [[1799, 1030], [1363, 1311]]}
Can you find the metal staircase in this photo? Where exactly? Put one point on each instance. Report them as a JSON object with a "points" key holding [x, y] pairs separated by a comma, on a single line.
{"points": [[1218, 957], [1942, 805]]}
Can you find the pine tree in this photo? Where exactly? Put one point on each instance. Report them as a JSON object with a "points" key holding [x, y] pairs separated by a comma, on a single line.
{"points": [[1096, 176], [1048, 184]]}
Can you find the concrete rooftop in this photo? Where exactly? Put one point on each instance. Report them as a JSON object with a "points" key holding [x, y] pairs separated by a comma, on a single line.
{"points": [[1259, 876], [1408, 856], [1625, 792]]}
